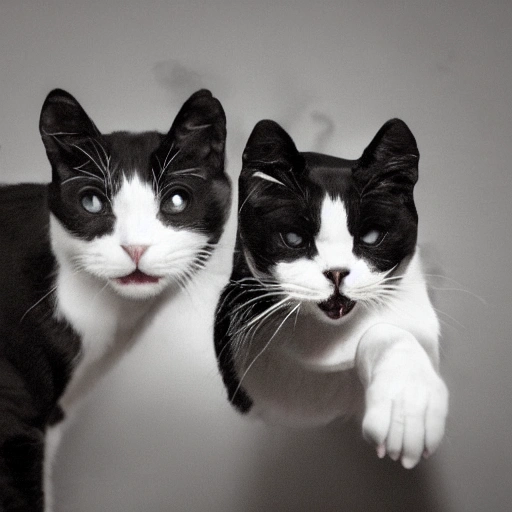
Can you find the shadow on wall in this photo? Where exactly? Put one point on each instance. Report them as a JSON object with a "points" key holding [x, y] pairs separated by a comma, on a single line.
{"points": [[333, 469]]}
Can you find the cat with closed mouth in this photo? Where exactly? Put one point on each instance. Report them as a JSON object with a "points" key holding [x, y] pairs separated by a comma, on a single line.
{"points": [[127, 220], [326, 314]]}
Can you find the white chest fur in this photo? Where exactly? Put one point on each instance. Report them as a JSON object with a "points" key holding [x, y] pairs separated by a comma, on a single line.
{"points": [[105, 322]]}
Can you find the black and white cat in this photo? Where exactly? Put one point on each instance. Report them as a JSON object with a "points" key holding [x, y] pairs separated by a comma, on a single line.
{"points": [[327, 313], [83, 260]]}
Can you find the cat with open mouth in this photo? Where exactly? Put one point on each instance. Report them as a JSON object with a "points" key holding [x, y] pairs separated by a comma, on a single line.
{"points": [[327, 313], [86, 259]]}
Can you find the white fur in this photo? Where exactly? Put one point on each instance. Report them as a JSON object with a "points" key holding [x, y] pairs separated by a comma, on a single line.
{"points": [[384, 352], [106, 314], [263, 176]]}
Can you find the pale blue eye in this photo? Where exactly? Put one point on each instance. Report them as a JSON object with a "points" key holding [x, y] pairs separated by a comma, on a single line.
{"points": [[177, 202], [371, 237], [293, 240], [92, 203]]}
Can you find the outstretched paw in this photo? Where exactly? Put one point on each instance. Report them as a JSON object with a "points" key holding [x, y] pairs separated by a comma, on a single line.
{"points": [[406, 410]]}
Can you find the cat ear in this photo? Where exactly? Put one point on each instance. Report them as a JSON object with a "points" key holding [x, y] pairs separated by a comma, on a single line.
{"points": [[197, 138], [64, 125], [392, 155], [270, 149]]}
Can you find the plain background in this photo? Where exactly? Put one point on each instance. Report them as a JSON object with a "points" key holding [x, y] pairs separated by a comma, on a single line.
{"points": [[157, 433]]}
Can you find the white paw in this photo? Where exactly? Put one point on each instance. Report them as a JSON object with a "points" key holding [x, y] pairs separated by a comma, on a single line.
{"points": [[406, 408]]}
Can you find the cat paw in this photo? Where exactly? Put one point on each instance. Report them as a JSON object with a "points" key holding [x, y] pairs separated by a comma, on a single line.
{"points": [[406, 409]]}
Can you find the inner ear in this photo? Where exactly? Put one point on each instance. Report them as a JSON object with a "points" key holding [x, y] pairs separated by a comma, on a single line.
{"points": [[196, 140], [270, 149]]}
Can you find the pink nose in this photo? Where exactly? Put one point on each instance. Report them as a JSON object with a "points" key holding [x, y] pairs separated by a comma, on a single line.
{"points": [[135, 251], [336, 276]]}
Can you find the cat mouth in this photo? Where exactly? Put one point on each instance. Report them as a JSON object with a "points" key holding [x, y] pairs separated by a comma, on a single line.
{"points": [[138, 277], [337, 306]]}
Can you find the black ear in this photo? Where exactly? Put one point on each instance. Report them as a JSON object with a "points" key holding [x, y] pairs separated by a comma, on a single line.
{"points": [[392, 155], [270, 149], [196, 139], [64, 125]]}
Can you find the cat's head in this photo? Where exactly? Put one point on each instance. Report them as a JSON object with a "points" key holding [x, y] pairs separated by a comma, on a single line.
{"points": [[138, 211], [327, 232]]}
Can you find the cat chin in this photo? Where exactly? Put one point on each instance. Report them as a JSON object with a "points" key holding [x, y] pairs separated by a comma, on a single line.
{"points": [[138, 290]]}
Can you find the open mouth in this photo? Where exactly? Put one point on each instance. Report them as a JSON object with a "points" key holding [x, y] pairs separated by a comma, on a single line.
{"points": [[337, 306], [137, 277]]}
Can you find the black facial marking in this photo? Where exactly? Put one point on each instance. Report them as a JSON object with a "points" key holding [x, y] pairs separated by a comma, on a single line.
{"points": [[376, 190], [189, 159]]}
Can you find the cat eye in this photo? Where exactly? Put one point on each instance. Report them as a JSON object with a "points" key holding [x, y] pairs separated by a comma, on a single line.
{"points": [[91, 203], [292, 240], [176, 202], [372, 237]]}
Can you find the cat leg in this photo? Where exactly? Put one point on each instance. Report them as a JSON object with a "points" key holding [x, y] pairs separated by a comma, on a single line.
{"points": [[21, 461], [21, 444], [52, 442], [406, 400]]}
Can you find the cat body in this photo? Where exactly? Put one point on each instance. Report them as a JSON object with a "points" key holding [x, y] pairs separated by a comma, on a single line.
{"points": [[126, 221], [327, 312]]}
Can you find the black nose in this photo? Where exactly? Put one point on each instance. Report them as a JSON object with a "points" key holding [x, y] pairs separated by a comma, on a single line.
{"points": [[336, 276]]}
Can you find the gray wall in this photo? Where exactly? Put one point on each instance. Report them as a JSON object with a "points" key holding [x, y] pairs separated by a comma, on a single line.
{"points": [[157, 433]]}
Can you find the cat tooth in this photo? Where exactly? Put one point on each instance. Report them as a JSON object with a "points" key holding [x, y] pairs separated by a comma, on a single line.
{"points": [[381, 451]]}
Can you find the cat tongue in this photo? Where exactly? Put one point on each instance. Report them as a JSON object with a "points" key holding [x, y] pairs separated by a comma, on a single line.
{"points": [[138, 277], [336, 306]]}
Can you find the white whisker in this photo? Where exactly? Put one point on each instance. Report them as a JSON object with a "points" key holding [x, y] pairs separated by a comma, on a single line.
{"points": [[264, 348], [37, 303]]}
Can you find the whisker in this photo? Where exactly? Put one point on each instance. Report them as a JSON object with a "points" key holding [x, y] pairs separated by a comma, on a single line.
{"points": [[264, 348], [73, 178], [37, 303], [90, 158], [252, 301], [261, 316]]}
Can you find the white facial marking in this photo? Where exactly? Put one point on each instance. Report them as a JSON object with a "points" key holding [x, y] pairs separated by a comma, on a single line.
{"points": [[303, 279], [334, 243], [263, 176], [167, 258]]}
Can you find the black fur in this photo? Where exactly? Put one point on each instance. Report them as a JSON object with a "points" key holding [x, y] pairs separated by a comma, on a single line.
{"points": [[83, 160], [377, 190], [37, 351]]}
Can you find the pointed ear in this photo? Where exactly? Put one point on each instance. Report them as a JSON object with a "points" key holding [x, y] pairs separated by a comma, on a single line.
{"points": [[270, 149], [63, 125], [392, 154], [197, 137]]}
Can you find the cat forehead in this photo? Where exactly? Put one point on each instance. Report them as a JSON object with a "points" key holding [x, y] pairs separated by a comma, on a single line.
{"points": [[332, 174], [131, 152], [134, 194]]}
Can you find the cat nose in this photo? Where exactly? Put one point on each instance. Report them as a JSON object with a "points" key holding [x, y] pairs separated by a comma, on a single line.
{"points": [[336, 276], [135, 251]]}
